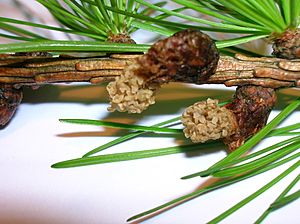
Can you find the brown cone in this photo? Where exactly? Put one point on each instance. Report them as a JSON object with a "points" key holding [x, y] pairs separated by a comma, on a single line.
{"points": [[287, 45]]}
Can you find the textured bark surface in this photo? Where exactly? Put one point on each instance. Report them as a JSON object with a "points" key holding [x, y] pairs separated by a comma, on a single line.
{"points": [[231, 71], [39, 70], [36, 70]]}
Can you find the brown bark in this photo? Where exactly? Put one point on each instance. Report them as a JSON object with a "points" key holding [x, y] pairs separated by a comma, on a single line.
{"points": [[232, 71], [34, 70]]}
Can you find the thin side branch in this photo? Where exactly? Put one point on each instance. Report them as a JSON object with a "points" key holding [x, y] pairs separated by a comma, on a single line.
{"points": [[232, 71]]}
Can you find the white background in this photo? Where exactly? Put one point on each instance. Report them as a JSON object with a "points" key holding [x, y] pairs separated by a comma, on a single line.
{"points": [[32, 192]]}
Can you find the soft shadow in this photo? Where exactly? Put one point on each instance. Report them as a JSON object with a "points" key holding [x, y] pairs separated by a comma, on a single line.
{"points": [[286, 96], [203, 152], [88, 94], [171, 100], [202, 186], [208, 182], [85, 94], [82, 134], [20, 214]]}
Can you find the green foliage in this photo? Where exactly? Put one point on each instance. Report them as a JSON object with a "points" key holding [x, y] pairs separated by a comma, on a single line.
{"points": [[253, 141], [248, 20], [281, 200], [98, 19], [255, 194], [257, 19], [118, 157], [72, 46], [219, 184], [120, 125], [88, 18], [128, 137], [233, 168]]}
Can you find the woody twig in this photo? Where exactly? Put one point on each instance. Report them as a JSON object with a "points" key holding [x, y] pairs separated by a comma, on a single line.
{"points": [[34, 70], [232, 71]]}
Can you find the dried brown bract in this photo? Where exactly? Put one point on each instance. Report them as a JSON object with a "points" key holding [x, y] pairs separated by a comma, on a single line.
{"points": [[287, 45], [233, 123], [251, 107], [206, 120], [187, 56], [10, 98], [122, 38]]}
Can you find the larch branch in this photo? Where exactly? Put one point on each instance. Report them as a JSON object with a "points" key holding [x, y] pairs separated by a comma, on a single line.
{"points": [[232, 71]]}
